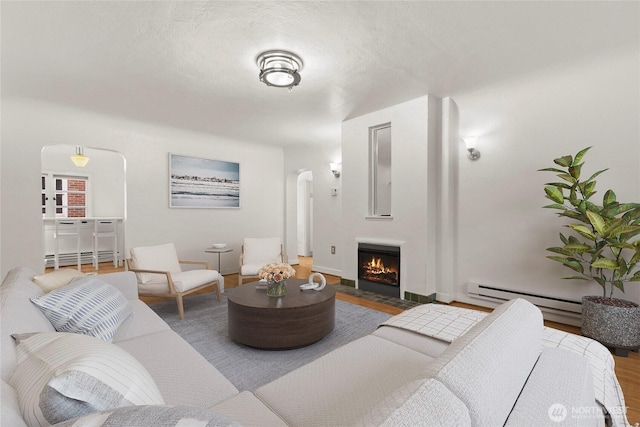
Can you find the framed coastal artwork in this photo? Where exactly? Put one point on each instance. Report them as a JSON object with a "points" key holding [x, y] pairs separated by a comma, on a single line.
{"points": [[203, 183]]}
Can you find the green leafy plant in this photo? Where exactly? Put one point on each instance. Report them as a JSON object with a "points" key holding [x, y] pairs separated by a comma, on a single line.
{"points": [[604, 246]]}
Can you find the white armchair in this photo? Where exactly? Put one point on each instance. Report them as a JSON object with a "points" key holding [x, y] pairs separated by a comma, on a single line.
{"points": [[256, 252], [160, 274]]}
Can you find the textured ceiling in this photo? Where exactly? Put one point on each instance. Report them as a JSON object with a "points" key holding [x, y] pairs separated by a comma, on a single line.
{"points": [[192, 64]]}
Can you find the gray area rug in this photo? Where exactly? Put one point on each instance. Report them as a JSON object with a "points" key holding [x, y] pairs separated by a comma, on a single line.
{"points": [[205, 328]]}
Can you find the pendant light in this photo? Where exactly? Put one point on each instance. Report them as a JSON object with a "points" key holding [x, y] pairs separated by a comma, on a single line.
{"points": [[79, 159]]}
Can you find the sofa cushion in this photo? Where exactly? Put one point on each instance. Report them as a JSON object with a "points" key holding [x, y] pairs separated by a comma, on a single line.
{"points": [[416, 341], [62, 376], [190, 279], [183, 281], [9, 409], [56, 279], [248, 410], [345, 384], [500, 349], [183, 375], [559, 390], [419, 403], [18, 314], [124, 281], [159, 258], [605, 383], [88, 306], [142, 321], [156, 416]]}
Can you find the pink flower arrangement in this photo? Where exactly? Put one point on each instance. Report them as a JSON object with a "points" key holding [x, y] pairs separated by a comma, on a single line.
{"points": [[276, 272]]}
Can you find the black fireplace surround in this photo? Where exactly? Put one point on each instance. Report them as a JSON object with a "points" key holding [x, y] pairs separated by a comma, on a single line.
{"points": [[379, 269]]}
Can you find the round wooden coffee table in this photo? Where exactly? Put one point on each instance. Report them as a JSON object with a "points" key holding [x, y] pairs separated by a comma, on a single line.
{"points": [[294, 320]]}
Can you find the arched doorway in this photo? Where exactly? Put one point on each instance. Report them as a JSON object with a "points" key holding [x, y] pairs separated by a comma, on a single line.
{"points": [[90, 199]]}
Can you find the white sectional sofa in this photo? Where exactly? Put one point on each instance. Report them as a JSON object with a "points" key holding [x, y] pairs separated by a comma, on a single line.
{"points": [[494, 374]]}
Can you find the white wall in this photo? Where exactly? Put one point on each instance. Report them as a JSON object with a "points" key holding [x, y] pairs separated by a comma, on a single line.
{"points": [[523, 125], [446, 200], [502, 230], [29, 125], [412, 207]]}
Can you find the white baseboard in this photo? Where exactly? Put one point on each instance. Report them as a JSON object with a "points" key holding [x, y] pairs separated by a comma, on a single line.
{"points": [[294, 261], [444, 297], [326, 270]]}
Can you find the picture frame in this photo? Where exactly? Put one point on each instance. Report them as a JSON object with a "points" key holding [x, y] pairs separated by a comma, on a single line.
{"points": [[196, 182]]}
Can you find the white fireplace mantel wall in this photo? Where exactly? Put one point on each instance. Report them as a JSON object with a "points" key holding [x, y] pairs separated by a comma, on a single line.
{"points": [[415, 138]]}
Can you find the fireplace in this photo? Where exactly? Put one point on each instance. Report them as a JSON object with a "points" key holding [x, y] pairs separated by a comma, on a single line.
{"points": [[379, 269]]}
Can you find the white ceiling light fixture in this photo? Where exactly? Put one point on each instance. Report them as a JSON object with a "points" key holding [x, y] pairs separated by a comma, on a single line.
{"points": [[79, 159], [279, 68]]}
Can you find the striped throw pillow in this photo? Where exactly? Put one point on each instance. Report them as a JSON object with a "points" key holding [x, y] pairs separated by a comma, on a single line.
{"points": [[61, 376], [88, 306]]}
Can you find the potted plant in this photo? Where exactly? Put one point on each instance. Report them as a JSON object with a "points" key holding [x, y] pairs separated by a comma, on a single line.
{"points": [[603, 247]]}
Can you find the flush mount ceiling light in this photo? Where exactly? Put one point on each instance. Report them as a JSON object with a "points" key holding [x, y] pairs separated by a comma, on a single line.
{"points": [[279, 68], [79, 159]]}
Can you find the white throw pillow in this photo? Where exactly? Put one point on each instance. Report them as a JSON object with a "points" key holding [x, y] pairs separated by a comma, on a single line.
{"points": [[62, 376], [56, 279], [88, 306]]}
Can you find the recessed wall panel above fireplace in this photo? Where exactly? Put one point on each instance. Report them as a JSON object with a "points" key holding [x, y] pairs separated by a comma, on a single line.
{"points": [[380, 171]]}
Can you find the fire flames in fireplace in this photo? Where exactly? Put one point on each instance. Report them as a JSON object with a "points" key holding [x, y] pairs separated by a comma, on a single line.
{"points": [[376, 271], [379, 268]]}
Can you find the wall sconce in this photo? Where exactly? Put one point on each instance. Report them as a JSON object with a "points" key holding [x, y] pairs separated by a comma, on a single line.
{"points": [[79, 159], [470, 143], [335, 169]]}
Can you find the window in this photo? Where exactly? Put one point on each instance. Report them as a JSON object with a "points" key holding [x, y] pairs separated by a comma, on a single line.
{"points": [[64, 196], [44, 195], [380, 170]]}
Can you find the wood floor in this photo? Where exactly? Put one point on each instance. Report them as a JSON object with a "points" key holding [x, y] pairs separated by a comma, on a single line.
{"points": [[627, 368]]}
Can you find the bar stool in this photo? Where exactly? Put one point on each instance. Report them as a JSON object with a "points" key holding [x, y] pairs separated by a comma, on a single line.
{"points": [[105, 229], [66, 229]]}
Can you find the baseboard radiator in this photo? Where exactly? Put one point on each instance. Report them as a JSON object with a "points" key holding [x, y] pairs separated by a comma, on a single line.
{"points": [[67, 259], [555, 305]]}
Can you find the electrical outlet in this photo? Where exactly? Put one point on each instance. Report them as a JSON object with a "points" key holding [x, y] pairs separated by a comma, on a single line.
{"points": [[333, 250]]}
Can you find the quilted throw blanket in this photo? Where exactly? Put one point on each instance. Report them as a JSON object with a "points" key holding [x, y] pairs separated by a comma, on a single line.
{"points": [[448, 323]]}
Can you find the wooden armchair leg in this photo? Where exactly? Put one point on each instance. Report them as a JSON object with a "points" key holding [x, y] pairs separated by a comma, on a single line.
{"points": [[217, 286], [180, 306]]}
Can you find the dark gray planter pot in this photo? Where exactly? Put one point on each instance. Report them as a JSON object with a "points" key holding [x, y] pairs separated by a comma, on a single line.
{"points": [[612, 326]]}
